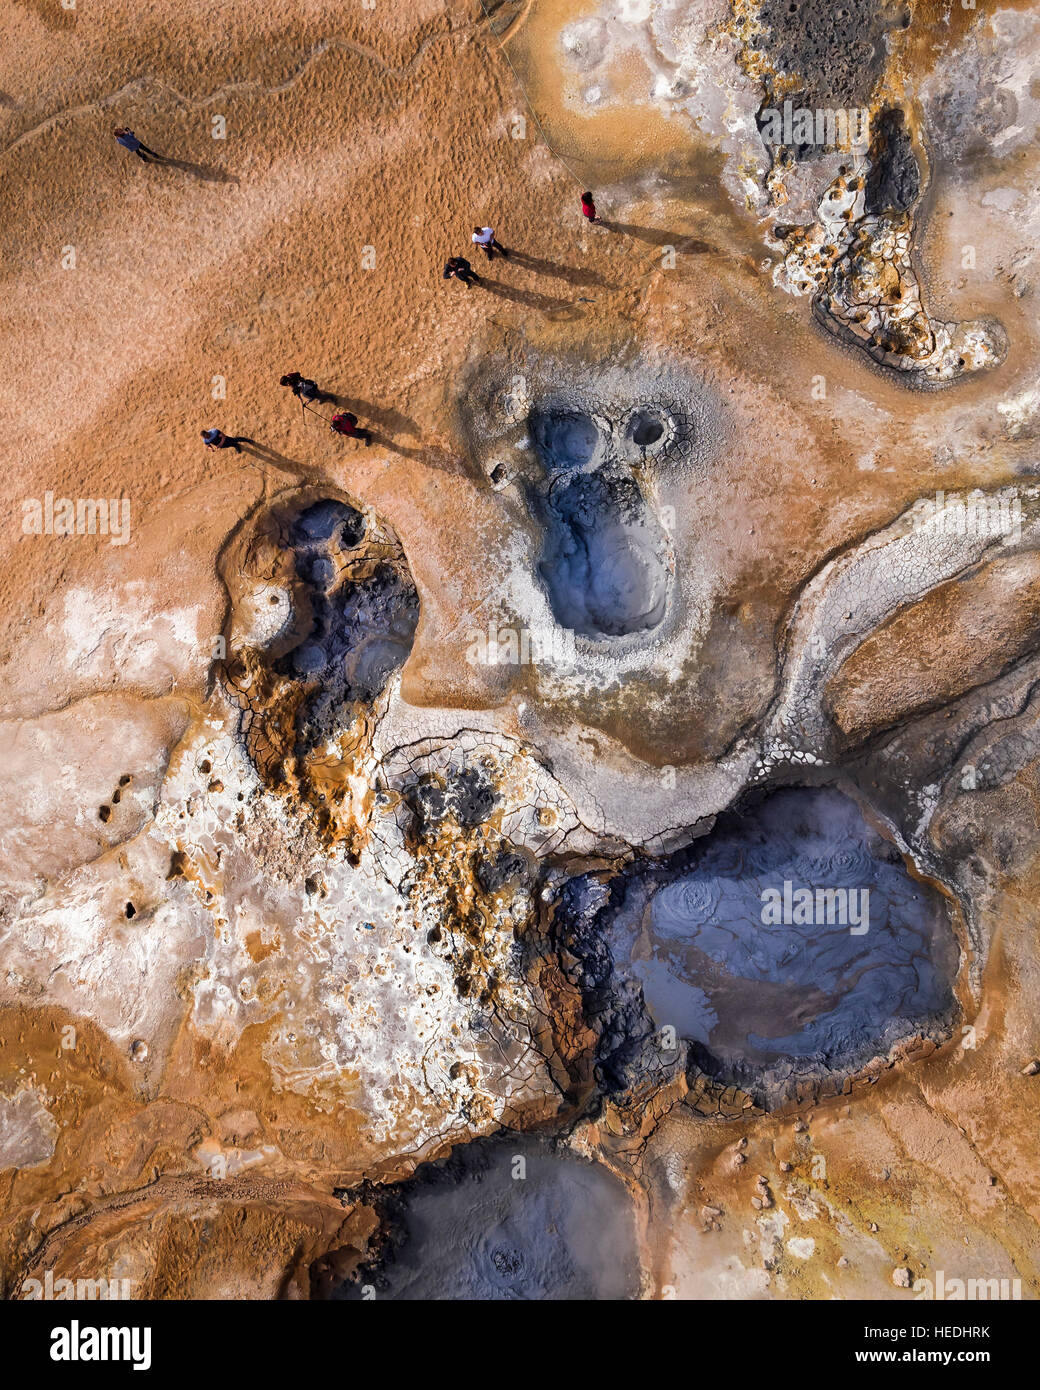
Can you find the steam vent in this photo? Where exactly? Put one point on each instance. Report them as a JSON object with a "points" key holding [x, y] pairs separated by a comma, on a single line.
{"points": [[521, 668]]}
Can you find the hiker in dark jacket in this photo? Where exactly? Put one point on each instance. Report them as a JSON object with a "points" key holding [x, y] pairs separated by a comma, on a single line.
{"points": [[129, 141], [588, 207], [304, 389], [346, 423], [459, 268]]}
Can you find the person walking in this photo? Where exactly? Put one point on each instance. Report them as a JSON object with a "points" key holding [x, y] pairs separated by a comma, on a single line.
{"points": [[304, 389], [217, 439], [588, 207], [129, 141], [485, 238], [346, 423], [459, 268]]}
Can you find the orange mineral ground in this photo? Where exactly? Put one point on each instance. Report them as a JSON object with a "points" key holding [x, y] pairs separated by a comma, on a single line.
{"points": [[379, 813]]}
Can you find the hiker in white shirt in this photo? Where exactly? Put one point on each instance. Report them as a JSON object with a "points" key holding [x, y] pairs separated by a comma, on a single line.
{"points": [[485, 238]]}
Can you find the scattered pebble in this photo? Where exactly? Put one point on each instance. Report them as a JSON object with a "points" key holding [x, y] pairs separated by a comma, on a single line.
{"points": [[139, 1050], [902, 1278], [1031, 1068]]}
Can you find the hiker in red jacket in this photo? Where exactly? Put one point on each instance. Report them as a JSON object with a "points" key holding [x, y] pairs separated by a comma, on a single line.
{"points": [[346, 423], [588, 207]]}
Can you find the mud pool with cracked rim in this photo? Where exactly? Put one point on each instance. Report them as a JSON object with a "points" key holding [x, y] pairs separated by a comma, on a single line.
{"points": [[758, 999]]}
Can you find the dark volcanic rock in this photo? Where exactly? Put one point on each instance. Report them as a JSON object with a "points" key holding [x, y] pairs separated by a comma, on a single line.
{"points": [[894, 180], [629, 1052], [505, 867], [837, 52], [466, 795]]}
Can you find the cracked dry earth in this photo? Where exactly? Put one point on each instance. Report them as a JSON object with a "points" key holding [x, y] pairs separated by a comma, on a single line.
{"points": [[386, 830]]}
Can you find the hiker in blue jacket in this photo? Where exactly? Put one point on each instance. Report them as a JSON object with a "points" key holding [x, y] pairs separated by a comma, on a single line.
{"points": [[129, 141], [217, 439]]}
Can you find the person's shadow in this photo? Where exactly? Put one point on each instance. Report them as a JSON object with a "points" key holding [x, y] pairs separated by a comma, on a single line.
{"points": [[429, 455], [272, 457], [383, 417], [573, 275], [683, 243], [531, 299], [208, 173]]}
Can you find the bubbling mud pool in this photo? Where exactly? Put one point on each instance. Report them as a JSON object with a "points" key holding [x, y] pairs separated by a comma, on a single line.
{"points": [[362, 623], [506, 1219], [791, 939], [567, 438], [605, 565], [361, 629]]}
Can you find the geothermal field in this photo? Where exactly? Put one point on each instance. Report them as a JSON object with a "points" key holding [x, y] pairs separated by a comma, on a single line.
{"points": [[539, 801]]}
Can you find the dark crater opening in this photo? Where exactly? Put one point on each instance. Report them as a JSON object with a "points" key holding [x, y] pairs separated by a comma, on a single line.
{"points": [[316, 570], [505, 1219], [565, 438], [645, 428], [328, 520]]}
